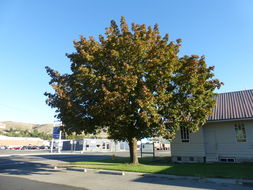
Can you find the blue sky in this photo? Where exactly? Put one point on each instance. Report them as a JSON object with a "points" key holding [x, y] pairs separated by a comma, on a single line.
{"points": [[35, 34]]}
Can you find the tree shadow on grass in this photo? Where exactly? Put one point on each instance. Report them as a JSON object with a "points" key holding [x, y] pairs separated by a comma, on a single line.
{"points": [[199, 171], [211, 170], [158, 161], [203, 170]]}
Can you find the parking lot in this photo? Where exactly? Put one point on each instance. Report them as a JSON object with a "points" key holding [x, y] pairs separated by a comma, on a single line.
{"points": [[31, 147]]}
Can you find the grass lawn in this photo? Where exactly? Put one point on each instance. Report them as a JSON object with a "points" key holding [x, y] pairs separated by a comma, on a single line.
{"points": [[163, 166]]}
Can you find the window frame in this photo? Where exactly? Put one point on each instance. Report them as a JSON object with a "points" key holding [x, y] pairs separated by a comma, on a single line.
{"points": [[240, 132], [185, 134]]}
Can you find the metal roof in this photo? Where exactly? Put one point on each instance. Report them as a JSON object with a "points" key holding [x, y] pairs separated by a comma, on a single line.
{"points": [[233, 105]]}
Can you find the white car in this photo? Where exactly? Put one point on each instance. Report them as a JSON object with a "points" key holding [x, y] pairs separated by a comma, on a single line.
{"points": [[3, 147]]}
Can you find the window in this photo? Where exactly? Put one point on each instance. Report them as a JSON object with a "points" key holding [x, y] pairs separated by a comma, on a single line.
{"points": [[184, 134], [240, 132], [179, 158], [227, 160]]}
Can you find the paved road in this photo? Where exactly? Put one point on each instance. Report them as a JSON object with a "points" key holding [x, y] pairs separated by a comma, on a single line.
{"points": [[37, 161], [12, 152], [30, 152], [29, 164], [17, 183], [27, 160], [93, 180], [29, 171]]}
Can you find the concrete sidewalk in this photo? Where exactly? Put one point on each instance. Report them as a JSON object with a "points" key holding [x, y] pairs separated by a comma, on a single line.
{"points": [[109, 180], [169, 177]]}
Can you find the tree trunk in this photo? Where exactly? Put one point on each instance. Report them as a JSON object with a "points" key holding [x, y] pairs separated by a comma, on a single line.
{"points": [[133, 151]]}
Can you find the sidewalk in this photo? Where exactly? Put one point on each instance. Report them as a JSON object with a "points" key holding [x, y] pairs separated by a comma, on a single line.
{"points": [[164, 176], [114, 180]]}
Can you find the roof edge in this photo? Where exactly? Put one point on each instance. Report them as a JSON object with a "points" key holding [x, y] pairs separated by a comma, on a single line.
{"points": [[234, 91], [226, 120]]}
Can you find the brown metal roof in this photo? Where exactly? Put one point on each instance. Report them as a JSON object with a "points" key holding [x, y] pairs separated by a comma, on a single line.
{"points": [[233, 105]]}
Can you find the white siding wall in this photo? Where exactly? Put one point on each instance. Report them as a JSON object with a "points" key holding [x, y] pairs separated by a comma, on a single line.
{"points": [[226, 143], [195, 146]]}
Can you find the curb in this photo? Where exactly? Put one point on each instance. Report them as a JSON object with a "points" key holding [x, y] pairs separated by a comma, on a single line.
{"points": [[111, 172], [206, 180], [101, 171], [246, 182], [171, 177]]}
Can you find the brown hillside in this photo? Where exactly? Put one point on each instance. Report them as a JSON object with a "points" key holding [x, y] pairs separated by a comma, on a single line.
{"points": [[47, 128]]}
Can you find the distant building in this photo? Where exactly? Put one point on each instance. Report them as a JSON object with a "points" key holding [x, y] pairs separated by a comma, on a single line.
{"points": [[93, 145], [20, 141], [2, 126]]}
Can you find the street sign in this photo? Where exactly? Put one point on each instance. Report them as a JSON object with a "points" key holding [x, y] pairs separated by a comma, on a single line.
{"points": [[147, 148], [56, 132]]}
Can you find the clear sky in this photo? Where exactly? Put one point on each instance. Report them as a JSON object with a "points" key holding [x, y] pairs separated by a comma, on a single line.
{"points": [[35, 34]]}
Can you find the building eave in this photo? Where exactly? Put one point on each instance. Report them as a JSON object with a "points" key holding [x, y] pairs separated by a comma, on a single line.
{"points": [[228, 120]]}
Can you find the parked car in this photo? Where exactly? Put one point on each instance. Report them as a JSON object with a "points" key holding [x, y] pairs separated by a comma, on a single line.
{"points": [[16, 148], [24, 148], [43, 147], [3, 147]]}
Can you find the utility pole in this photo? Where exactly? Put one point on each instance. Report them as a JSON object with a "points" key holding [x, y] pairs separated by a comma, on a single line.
{"points": [[59, 142], [52, 145]]}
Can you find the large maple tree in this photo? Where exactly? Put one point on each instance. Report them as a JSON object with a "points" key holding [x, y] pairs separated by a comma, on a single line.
{"points": [[132, 83]]}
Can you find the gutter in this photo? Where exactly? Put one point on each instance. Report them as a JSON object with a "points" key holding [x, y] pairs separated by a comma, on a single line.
{"points": [[226, 120]]}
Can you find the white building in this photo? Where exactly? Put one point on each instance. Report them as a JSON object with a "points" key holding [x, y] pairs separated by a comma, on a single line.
{"points": [[93, 145], [2, 126], [226, 137], [20, 141]]}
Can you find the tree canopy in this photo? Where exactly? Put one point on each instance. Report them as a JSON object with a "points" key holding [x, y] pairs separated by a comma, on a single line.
{"points": [[133, 83]]}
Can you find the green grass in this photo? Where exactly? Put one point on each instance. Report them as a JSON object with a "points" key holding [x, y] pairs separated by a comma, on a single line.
{"points": [[163, 166]]}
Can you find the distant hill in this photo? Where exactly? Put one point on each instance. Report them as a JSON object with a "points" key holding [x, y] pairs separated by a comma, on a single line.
{"points": [[47, 128]]}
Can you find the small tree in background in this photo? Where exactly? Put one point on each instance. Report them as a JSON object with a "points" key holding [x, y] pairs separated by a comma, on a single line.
{"points": [[132, 83]]}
